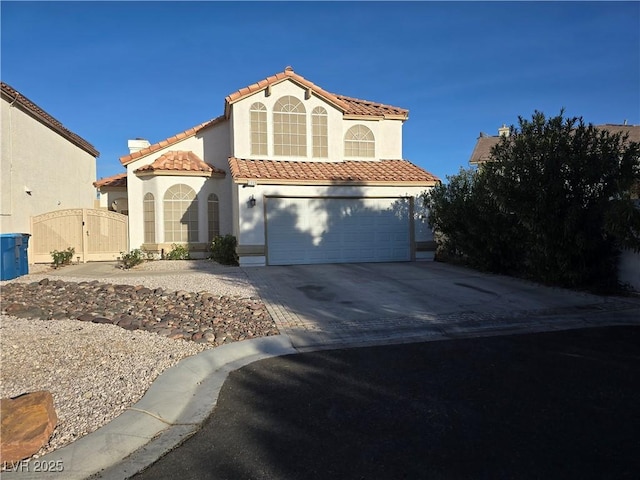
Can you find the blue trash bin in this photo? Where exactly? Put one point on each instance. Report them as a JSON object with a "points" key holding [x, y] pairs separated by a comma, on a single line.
{"points": [[10, 260], [23, 266], [14, 260]]}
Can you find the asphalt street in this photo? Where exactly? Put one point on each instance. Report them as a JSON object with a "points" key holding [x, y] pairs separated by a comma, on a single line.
{"points": [[543, 405]]}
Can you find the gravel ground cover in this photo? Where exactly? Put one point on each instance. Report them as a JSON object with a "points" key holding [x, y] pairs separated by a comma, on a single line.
{"points": [[96, 369]]}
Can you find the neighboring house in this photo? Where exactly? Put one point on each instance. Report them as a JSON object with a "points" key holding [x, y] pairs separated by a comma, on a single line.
{"points": [[629, 264], [295, 173], [44, 166], [482, 150], [113, 193]]}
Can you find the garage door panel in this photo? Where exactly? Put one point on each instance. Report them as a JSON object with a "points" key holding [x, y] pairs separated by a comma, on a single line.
{"points": [[337, 230]]}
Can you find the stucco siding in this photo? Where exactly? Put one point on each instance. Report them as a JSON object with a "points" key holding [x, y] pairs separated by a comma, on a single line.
{"points": [[388, 133], [211, 145], [58, 174]]}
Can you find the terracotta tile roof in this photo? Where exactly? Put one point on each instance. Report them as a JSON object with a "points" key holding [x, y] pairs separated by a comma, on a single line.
{"points": [[348, 105], [365, 107], [482, 150], [170, 141], [180, 161], [353, 172], [16, 98], [119, 180]]}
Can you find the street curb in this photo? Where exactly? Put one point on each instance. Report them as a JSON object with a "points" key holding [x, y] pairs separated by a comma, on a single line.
{"points": [[171, 410]]}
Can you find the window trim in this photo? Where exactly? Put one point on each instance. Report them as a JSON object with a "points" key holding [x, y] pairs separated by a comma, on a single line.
{"points": [[190, 197], [319, 140], [259, 139], [359, 145], [289, 123]]}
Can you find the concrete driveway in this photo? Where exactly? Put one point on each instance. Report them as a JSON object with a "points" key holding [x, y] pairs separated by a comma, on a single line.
{"points": [[375, 303]]}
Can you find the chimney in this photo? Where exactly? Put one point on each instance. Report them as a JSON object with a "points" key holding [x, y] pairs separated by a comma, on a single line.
{"points": [[503, 131], [137, 144]]}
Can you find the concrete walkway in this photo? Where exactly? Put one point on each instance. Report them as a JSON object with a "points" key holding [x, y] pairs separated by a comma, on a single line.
{"points": [[319, 307]]}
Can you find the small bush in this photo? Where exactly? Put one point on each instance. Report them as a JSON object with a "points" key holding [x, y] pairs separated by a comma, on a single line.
{"points": [[223, 250], [62, 258], [178, 252], [133, 258]]}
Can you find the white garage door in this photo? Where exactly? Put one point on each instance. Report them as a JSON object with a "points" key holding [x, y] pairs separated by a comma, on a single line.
{"points": [[337, 230]]}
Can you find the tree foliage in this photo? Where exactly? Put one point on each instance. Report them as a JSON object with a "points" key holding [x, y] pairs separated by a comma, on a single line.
{"points": [[552, 204]]}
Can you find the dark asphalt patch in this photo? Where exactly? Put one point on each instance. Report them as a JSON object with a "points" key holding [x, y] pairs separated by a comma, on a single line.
{"points": [[548, 405]]}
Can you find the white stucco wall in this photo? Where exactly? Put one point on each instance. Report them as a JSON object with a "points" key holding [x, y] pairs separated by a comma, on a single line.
{"points": [[110, 195], [59, 174], [212, 146], [388, 133]]}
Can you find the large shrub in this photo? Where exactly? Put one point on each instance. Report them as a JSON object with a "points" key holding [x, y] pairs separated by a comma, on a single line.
{"points": [[552, 204], [223, 250]]}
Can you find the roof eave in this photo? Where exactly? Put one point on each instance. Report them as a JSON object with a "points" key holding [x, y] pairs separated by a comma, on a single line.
{"points": [[179, 173], [279, 78], [336, 182], [167, 142]]}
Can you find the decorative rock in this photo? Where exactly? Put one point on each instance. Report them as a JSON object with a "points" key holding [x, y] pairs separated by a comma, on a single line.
{"points": [[101, 320], [180, 314], [27, 423], [30, 312], [12, 308]]}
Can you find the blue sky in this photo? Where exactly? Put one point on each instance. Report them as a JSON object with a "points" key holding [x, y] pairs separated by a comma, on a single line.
{"points": [[118, 70]]}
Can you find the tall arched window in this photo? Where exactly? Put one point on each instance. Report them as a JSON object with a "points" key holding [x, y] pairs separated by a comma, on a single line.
{"points": [[149, 218], [359, 142], [289, 127], [180, 214], [213, 215], [258, 129], [319, 133]]}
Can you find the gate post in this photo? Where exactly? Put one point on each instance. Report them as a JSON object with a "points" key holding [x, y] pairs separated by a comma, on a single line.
{"points": [[85, 234]]}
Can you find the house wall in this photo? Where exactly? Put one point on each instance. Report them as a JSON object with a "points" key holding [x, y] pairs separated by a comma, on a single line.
{"points": [[115, 194], [250, 228], [388, 133], [211, 145], [59, 174]]}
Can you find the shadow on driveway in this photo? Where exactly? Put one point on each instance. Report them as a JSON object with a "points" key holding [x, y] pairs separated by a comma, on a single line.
{"points": [[546, 405]]}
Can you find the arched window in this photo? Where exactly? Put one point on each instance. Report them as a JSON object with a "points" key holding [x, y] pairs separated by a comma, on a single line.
{"points": [[258, 129], [359, 142], [180, 214], [213, 215], [319, 133], [289, 127], [149, 218]]}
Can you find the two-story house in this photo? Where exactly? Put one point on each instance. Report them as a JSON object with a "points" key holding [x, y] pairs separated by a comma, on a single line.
{"points": [[297, 174]]}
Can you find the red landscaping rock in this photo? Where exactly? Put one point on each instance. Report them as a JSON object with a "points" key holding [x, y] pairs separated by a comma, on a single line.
{"points": [[27, 424]]}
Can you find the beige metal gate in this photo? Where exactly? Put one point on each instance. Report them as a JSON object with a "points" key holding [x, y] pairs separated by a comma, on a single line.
{"points": [[94, 234]]}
